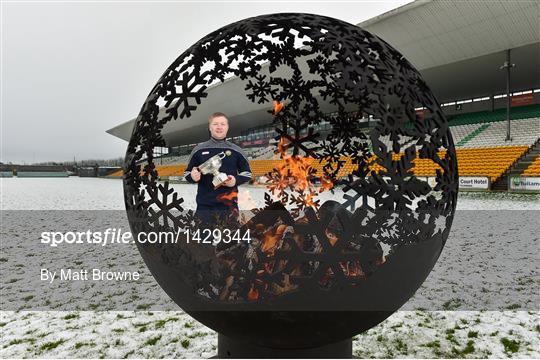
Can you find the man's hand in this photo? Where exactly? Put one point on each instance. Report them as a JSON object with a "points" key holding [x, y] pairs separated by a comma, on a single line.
{"points": [[195, 174], [230, 182]]}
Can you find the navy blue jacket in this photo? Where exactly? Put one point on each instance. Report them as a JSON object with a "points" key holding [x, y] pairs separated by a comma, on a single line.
{"points": [[236, 165]]}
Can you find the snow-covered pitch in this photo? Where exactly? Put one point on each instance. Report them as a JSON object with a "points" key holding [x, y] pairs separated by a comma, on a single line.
{"points": [[459, 331]]}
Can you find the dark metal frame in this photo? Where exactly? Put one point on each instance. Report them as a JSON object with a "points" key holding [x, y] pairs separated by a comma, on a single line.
{"points": [[358, 74]]}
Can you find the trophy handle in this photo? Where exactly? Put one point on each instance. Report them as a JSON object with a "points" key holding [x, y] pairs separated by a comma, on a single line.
{"points": [[222, 155]]}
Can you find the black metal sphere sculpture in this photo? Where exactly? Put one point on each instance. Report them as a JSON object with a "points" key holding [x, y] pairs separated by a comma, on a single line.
{"points": [[314, 273]]}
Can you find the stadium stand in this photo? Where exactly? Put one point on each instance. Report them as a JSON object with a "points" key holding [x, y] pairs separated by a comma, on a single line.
{"points": [[480, 147]]}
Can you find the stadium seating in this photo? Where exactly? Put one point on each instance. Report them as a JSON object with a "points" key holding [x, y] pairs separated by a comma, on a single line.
{"points": [[523, 132], [462, 133], [471, 162], [489, 161], [471, 135]]}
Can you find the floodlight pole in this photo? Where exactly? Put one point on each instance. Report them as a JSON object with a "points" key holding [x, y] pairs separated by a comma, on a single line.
{"points": [[507, 65]]}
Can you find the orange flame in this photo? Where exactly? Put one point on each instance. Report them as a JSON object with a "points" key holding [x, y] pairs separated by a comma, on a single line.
{"points": [[326, 184], [277, 107], [309, 201], [294, 173], [282, 147], [228, 199]]}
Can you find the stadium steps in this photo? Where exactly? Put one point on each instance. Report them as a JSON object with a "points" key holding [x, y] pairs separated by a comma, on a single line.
{"points": [[534, 168], [531, 156], [527, 160], [472, 135]]}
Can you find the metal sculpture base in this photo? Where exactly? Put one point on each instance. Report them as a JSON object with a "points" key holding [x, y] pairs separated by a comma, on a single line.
{"points": [[233, 349]]}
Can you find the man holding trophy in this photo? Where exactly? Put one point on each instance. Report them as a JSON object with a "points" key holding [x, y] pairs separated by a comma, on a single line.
{"points": [[218, 167]]}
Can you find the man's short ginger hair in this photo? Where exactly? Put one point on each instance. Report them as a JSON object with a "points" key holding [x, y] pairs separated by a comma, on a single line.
{"points": [[215, 115]]}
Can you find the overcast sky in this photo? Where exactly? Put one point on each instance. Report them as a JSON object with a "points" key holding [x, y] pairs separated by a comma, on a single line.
{"points": [[71, 70]]}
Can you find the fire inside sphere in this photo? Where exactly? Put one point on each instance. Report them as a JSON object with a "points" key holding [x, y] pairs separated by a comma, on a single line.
{"points": [[356, 125]]}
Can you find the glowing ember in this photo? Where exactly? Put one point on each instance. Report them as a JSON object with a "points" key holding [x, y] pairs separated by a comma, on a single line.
{"points": [[253, 294]]}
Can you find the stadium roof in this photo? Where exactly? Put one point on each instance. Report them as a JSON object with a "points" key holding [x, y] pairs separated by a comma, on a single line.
{"points": [[436, 33], [458, 46]]}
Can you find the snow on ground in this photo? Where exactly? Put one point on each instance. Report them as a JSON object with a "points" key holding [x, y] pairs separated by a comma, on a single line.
{"points": [[146, 333], [406, 334], [76, 193]]}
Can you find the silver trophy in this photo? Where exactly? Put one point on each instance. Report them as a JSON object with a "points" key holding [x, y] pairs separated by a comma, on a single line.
{"points": [[212, 165]]}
